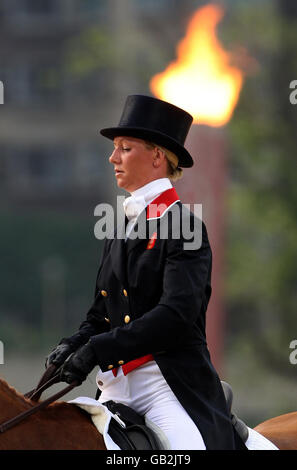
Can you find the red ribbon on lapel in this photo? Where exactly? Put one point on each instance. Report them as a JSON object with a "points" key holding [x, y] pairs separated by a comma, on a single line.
{"points": [[152, 241]]}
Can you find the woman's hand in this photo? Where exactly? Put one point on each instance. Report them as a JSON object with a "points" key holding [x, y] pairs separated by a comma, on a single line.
{"points": [[79, 365], [59, 355]]}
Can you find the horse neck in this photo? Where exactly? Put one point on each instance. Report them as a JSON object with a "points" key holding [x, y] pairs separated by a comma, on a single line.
{"points": [[11, 401]]}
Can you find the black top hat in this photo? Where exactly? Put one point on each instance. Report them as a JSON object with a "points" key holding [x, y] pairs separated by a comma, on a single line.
{"points": [[157, 121]]}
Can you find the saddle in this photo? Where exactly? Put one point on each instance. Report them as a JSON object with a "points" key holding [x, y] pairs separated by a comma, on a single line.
{"points": [[132, 431], [238, 424], [136, 435]]}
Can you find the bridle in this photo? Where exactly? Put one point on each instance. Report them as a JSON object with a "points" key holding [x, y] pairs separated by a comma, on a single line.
{"points": [[49, 378]]}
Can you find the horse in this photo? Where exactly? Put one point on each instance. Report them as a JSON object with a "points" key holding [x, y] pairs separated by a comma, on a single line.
{"points": [[281, 430], [60, 426], [44, 429]]}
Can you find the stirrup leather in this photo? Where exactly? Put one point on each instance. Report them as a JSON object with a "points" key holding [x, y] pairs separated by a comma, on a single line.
{"points": [[238, 424], [136, 435]]}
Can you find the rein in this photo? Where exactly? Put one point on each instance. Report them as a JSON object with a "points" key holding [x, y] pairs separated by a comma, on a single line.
{"points": [[50, 377]]}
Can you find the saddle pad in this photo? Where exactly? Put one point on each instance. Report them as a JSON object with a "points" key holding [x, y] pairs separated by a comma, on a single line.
{"points": [[100, 416], [256, 441]]}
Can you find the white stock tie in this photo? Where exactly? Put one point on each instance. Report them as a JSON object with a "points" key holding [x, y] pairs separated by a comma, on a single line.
{"points": [[133, 206]]}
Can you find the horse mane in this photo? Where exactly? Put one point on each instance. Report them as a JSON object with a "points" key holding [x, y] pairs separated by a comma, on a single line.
{"points": [[10, 391], [6, 389]]}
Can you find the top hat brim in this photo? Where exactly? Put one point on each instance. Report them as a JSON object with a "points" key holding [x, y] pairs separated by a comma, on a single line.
{"points": [[184, 158]]}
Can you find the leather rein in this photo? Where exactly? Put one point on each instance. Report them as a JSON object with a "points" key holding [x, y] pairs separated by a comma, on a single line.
{"points": [[49, 378]]}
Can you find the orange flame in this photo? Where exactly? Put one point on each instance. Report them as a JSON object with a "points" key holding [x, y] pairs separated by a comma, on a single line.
{"points": [[201, 80]]}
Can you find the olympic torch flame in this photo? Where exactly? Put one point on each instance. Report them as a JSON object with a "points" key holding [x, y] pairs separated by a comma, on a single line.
{"points": [[201, 80]]}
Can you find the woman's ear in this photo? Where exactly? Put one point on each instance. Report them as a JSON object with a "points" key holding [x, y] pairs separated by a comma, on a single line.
{"points": [[159, 157]]}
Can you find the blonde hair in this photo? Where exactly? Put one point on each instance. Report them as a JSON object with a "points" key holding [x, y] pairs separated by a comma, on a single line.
{"points": [[174, 171]]}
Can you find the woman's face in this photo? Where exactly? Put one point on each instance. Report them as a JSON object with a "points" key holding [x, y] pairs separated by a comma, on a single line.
{"points": [[133, 163]]}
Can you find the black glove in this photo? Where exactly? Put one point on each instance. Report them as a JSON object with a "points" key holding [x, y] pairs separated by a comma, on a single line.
{"points": [[79, 365], [59, 355]]}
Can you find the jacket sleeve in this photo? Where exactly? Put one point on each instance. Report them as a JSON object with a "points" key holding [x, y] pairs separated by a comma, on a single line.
{"points": [[186, 275]]}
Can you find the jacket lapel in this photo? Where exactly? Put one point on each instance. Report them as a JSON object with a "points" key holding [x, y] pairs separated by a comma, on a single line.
{"points": [[153, 213], [120, 249], [118, 254], [140, 231]]}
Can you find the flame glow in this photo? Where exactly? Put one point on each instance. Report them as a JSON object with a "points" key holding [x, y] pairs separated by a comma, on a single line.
{"points": [[201, 80]]}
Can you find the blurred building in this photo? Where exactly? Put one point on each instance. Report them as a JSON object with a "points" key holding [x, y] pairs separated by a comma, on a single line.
{"points": [[53, 169], [50, 148], [66, 68]]}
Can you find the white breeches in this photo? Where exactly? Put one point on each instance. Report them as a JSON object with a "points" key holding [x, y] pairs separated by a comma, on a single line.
{"points": [[146, 391]]}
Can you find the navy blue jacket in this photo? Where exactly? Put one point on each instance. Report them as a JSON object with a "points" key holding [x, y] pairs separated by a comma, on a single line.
{"points": [[151, 298]]}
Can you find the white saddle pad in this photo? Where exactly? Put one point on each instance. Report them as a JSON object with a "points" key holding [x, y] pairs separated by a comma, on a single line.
{"points": [[101, 417], [258, 442]]}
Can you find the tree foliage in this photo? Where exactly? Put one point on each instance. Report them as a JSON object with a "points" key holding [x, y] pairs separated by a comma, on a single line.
{"points": [[262, 232]]}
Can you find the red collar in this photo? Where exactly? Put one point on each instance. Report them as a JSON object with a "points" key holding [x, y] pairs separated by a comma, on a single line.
{"points": [[161, 204]]}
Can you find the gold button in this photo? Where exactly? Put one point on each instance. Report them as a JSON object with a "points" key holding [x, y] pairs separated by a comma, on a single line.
{"points": [[127, 319], [110, 366], [107, 319], [104, 293], [100, 382], [121, 363], [125, 293]]}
